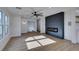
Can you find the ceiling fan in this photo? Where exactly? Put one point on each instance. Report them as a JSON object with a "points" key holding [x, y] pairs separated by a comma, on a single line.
{"points": [[36, 13]]}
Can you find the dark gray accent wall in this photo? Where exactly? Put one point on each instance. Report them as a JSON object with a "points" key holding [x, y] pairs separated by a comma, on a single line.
{"points": [[55, 25]]}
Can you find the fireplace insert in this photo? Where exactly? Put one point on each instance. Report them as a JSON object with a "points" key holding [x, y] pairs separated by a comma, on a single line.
{"points": [[52, 29]]}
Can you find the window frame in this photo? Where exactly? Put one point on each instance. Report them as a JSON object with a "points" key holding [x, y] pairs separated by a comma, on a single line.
{"points": [[4, 24], [1, 24]]}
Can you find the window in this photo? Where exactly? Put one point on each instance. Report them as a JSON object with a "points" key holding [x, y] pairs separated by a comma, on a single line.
{"points": [[1, 25], [4, 25]]}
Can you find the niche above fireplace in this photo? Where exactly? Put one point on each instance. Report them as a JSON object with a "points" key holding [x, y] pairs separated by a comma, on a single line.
{"points": [[55, 25]]}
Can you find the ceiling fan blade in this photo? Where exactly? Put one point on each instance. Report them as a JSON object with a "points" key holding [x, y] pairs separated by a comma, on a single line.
{"points": [[31, 15], [40, 15]]}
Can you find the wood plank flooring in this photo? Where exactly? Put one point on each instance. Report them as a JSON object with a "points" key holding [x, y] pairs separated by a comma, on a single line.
{"points": [[19, 44]]}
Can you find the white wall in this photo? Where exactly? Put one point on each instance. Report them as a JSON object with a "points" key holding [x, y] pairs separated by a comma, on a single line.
{"points": [[69, 16], [77, 29], [23, 25], [16, 26], [42, 24], [70, 32]]}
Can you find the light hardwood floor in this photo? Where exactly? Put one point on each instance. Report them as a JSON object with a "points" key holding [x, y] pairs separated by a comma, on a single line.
{"points": [[19, 44]]}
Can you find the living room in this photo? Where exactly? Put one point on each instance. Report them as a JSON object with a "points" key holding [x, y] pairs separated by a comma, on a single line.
{"points": [[27, 23]]}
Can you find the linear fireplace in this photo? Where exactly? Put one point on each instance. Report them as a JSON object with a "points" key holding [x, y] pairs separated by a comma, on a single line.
{"points": [[55, 25], [50, 29]]}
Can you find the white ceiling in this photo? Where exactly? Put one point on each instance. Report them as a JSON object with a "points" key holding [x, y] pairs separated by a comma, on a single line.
{"points": [[25, 11]]}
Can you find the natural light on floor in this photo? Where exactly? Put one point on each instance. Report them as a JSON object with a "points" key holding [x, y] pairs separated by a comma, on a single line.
{"points": [[39, 37], [38, 41]]}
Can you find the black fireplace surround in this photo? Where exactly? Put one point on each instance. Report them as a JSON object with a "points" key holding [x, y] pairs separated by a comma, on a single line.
{"points": [[55, 25]]}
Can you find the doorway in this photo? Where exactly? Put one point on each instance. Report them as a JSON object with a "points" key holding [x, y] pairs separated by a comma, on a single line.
{"points": [[38, 25], [31, 26]]}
